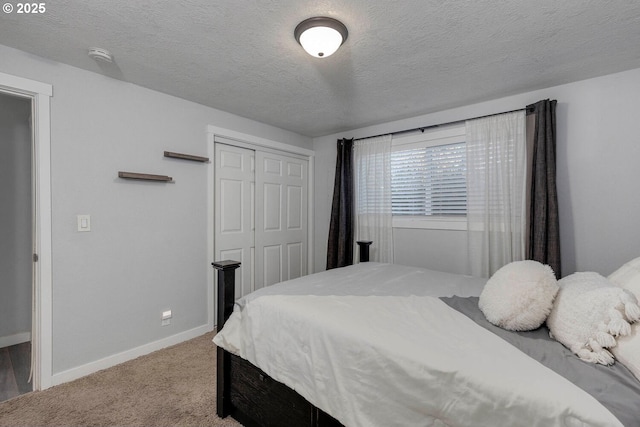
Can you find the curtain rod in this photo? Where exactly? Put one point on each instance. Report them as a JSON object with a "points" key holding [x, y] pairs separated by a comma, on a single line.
{"points": [[528, 109]]}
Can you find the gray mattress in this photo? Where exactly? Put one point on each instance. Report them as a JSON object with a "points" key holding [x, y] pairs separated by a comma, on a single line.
{"points": [[613, 386]]}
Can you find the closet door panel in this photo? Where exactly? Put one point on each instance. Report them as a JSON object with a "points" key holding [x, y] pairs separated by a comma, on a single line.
{"points": [[272, 203], [282, 199], [234, 212], [272, 264], [231, 211], [294, 254]]}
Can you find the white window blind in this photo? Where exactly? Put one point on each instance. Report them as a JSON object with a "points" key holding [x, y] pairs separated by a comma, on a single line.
{"points": [[429, 181]]}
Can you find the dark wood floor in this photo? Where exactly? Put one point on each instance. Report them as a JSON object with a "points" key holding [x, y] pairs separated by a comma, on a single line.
{"points": [[15, 363]]}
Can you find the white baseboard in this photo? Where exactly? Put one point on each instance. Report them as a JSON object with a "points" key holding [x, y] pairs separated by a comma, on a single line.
{"points": [[14, 339], [116, 359]]}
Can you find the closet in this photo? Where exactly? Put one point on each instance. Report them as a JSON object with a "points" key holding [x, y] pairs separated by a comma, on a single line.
{"points": [[261, 213]]}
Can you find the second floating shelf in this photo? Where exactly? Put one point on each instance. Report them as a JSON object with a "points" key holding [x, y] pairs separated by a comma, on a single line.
{"points": [[186, 157], [144, 176]]}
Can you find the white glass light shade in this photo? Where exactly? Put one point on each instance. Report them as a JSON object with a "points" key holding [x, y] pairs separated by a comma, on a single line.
{"points": [[321, 36], [320, 41]]}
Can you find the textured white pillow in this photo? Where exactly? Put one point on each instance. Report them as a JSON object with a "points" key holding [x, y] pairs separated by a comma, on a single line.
{"points": [[628, 276], [519, 296], [589, 313], [628, 349]]}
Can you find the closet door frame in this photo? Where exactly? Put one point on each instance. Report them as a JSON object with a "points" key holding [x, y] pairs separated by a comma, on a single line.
{"points": [[252, 142]]}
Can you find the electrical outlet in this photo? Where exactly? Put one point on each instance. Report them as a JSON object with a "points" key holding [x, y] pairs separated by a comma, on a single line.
{"points": [[166, 318]]}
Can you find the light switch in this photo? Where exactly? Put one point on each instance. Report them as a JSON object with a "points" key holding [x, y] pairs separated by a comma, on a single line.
{"points": [[84, 222]]}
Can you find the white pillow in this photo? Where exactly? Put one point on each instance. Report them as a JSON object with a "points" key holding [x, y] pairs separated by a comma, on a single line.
{"points": [[628, 349], [589, 313], [628, 276], [519, 296]]}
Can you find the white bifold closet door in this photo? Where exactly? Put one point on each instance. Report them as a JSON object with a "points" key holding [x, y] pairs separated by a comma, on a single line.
{"points": [[261, 215], [234, 220], [281, 218]]}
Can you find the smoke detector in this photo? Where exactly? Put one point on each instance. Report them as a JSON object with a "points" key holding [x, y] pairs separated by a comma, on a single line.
{"points": [[100, 55]]}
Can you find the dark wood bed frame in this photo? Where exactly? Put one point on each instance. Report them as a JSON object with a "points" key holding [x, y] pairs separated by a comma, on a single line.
{"points": [[247, 393]]}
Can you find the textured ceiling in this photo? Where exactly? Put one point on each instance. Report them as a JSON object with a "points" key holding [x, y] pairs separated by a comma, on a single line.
{"points": [[402, 58]]}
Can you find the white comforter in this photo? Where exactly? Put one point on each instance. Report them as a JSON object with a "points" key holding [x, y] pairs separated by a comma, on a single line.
{"points": [[360, 361]]}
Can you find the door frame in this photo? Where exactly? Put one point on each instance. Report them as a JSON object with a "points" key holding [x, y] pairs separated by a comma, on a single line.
{"points": [[256, 143], [41, 339]]}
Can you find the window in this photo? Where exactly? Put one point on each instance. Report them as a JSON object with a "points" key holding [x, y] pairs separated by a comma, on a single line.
{"points": [[428, 178]]}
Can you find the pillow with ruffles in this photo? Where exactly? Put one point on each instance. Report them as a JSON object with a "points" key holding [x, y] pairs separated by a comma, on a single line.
{"points": [[589, 314], [628, 349], [519, 296]]}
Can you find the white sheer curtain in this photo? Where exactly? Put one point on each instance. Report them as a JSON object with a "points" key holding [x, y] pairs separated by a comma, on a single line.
{"points": [[372, 171], [496, 179]]}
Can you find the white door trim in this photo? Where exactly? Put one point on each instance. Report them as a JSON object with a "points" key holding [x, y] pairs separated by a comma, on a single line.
{"points": [[41, 94], [247, 140], [258, 141]]}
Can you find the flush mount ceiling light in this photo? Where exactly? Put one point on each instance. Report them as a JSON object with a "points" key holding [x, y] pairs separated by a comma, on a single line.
{"points": [[100, 54], [320, 36]]}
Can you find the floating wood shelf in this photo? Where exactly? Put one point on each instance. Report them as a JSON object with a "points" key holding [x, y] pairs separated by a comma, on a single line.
{"points": [[144, 176], [186, 157]]}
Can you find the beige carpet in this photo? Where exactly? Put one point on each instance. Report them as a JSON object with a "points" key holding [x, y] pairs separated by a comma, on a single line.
{"points": [[171, 387]]}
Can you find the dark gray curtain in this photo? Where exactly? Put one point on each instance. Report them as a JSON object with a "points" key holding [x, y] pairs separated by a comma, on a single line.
{"points": [[340, 245], [544, 230]]}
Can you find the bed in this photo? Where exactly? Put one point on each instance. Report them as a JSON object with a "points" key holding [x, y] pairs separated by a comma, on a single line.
{"points": [[330, 349]]}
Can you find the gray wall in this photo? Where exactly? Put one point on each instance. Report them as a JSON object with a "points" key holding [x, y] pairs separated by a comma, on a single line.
{"points": [[15, 217], [598, 149], [147, 251]]}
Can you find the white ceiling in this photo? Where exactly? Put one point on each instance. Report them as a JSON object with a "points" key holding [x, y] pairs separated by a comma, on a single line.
{"points": [[403, 57]]}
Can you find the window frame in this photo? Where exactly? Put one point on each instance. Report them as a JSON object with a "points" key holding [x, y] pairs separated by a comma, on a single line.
{"points": [[436, 136]]}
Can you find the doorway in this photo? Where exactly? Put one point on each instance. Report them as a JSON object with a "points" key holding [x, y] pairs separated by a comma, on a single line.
{"points": [[16, 244], [39, 94]]}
